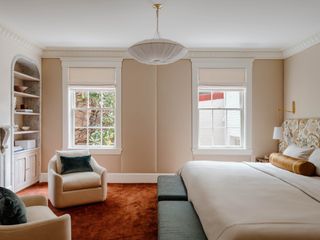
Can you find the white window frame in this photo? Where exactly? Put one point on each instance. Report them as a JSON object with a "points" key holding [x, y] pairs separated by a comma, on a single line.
{"points": [[115, 63], [241, 109], [223, 63]]}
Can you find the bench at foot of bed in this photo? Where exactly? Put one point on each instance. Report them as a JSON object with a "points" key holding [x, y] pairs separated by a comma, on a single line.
{"points": [[177, 220], [171, 188]]}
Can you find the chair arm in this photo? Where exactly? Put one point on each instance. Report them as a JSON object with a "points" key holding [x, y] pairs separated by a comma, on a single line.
{"points": [[55, 179], [51, 229], [103, 175], [96, 167], [34, 200], [55, 186]]}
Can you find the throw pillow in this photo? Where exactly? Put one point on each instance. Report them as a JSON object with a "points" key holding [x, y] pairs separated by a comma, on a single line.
{"points": [[75, 164], [73, 153], [295, 165], [12, 209], [315, 159], [297, 152]]}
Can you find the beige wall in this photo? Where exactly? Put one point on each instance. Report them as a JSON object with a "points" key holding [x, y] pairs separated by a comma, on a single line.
{"points": [[267, 98], [156, 114], [174, 115], [139, 117], [302, 83], [51, 109]]}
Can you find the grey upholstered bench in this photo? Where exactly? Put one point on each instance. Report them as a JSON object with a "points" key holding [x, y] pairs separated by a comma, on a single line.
{"points": [[171, 188], [177, 220]]}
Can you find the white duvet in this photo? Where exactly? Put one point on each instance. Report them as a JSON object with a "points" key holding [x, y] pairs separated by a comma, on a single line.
{"points": [[246, 201]]}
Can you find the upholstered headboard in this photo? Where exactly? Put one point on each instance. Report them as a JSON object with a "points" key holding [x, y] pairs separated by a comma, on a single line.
{"points": [[302, 132]]}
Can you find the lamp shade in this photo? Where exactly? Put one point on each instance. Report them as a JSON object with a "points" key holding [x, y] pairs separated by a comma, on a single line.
{"points": [[158, 51], [277, 133]]}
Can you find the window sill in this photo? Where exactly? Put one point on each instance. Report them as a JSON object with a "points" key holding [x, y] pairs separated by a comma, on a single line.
{"points": [[111, 151], [222, 151]]}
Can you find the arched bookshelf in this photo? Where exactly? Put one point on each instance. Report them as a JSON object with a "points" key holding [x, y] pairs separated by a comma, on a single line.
{"points": [[26, 122]]}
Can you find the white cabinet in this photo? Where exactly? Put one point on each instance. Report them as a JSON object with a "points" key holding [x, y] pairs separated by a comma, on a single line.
{"points": [[26, 169]]}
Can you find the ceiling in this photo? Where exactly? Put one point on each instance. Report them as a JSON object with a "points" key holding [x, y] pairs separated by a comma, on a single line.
{"points": [[256, 24]]}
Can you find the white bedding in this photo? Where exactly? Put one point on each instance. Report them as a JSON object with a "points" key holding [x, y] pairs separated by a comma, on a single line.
{"points": [[253, 201]]}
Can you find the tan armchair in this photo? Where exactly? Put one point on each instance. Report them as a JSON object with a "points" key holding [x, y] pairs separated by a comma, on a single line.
{"points": [[42, 223], [76, 188]]}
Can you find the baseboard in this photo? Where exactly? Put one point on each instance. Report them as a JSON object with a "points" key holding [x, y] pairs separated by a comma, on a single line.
{"points": [[123, 177], [43, 177]]}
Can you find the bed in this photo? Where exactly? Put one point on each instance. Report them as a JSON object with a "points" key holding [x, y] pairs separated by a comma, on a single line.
{"points": [[242, 200]]}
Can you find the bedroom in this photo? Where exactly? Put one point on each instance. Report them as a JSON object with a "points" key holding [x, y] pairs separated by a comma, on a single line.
{"points": [[261, 57]]}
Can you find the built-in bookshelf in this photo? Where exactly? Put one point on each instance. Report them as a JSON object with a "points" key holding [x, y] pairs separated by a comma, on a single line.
{"points": [[26, 121]]}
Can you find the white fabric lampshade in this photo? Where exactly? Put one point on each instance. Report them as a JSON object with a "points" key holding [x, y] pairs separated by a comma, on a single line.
{"points": [[157, 51], [277, 133]]}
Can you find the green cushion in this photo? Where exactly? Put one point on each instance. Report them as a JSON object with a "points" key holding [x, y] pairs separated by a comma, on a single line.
{"points": [[12, 209], [178, 220], [75, 164], [171, 188]]}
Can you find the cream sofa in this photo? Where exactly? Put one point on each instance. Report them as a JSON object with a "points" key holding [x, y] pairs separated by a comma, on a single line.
{"points": [[76, 188], [42, 223]]}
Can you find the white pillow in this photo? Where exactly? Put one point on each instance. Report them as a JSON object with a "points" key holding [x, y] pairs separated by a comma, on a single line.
{"points": [[297, 152], [70, 153], [315, 159]]}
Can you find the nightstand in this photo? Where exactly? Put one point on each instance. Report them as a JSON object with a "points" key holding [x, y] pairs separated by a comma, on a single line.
{"points": [[262, 159]]}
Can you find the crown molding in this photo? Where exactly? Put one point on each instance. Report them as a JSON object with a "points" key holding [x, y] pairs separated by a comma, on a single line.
{"points": [[235, 53], [193, 53], [305, 44], [85, 52], [6, 33]]}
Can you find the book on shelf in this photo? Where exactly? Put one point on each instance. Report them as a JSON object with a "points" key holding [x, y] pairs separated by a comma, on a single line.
{"points": [[18, 148], [24, 110]]}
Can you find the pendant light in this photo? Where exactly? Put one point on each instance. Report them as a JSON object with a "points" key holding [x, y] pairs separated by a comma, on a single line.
{"points": [[157, 51]]}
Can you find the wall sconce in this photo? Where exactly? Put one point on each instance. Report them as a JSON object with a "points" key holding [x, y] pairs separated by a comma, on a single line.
{"points": [[293, 108]]}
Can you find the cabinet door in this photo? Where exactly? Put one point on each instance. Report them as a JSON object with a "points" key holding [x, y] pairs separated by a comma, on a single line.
{"points": [[20, 171], [31, 170]]}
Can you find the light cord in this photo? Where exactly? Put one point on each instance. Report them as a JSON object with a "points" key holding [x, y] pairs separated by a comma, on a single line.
{"points": [[157, 34]]}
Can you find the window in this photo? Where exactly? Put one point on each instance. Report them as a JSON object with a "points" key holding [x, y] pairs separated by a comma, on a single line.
{"points": [[221, 93], [92, 119], [92, 105], [220, 117]]}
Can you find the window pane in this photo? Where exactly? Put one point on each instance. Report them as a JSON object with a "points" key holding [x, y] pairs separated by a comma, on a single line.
{"points": [[205, 128], [233, 135], [234, 127], [219, 118], [233, 99], [204, 99], [108, 99], [94, 118], [80, 118], [81, 98], [217, 99], [219, 136], [94, 136], [218, 126], [234, 118], [108, 118], [80, 136], [108, 137], [94, 99]]}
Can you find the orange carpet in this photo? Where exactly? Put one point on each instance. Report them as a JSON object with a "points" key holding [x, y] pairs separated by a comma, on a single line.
{"points": [[129, 213]]}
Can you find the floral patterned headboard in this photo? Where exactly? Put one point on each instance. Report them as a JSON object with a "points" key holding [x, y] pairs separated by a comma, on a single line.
{"points": [[302, 132]]}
